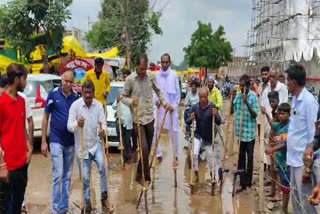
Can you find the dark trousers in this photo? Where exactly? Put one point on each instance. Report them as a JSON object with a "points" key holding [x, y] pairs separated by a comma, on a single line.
{"points": [[12, 193], [147, 132], [134, 138], [246, 167], [126, 140]]}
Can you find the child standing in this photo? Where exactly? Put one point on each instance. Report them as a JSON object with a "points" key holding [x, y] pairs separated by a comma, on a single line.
{"points": [[273, 97], [280, 130]]}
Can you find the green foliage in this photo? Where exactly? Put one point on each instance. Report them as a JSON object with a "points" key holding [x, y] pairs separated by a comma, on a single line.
{"points": [[128, 24], [22, 19], [208, 49], [183, 66]]}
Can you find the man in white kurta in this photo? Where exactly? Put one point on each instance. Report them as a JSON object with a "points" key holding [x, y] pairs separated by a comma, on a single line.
{"points": [[274, 85], [168, 82]]}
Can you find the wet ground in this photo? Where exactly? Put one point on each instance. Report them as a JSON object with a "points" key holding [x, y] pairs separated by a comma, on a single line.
{"points": [[123, 190]]}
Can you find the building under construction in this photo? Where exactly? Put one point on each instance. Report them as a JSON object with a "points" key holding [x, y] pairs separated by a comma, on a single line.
{"points": [[283, 32]]}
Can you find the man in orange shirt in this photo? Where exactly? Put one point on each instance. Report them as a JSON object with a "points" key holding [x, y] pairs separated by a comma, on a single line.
{"points": [[100, 79]]}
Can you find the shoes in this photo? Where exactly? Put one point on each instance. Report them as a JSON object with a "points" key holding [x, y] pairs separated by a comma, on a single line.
{"points": [[106, 206], [159, 159]]}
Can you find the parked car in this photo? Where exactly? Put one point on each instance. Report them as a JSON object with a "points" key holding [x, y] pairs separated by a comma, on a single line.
{"points": [[36, 93], [115, 91]]}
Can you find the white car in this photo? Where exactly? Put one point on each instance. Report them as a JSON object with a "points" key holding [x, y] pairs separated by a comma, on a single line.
{"points": [[115, 91], [36, 93]]}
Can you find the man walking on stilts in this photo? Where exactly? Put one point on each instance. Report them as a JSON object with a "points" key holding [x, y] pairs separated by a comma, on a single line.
{"points": [[138, 93], [168, 82]]}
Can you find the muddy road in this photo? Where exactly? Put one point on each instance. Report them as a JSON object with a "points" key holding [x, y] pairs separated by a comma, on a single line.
{"points": [[123, 190]]}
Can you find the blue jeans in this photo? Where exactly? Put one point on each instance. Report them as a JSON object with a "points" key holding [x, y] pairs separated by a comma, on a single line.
{"points": [[62, 164], [99, 159]]}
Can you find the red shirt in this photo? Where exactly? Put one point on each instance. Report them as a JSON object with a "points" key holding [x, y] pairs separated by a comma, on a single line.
{"points": [[12, 131]]}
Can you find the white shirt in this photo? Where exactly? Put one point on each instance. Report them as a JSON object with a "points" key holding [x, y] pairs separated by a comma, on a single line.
{"points": [[301, 127], [283, 98], [28, 107], [125, 112], [93, 117]]}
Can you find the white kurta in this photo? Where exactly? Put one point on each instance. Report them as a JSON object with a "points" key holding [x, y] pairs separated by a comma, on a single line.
{"points": [[168, 83], [170, 88]]}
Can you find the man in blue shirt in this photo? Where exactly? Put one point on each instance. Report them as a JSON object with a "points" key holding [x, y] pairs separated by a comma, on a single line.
{"points": [[300, 134], [203, 113], [61, 141]]}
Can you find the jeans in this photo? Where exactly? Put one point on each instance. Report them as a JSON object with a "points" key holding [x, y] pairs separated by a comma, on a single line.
{"points": [[197, 145], [300, 192], [246, 167], [12, 193], [147, 132], [62, 165], [99, 159]]}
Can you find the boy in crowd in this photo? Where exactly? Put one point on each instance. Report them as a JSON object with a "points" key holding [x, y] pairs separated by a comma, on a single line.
{"points": [[126, 126], [274, 103], [280, 131]]}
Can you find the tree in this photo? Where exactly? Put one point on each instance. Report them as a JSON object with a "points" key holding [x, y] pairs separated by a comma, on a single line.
{"points": [[21, 20], [128, 24], [183, 66], [208, 49]]}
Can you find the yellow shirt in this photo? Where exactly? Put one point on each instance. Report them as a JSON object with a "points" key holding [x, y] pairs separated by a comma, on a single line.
{"points": [[101, 85], [216, 98]]}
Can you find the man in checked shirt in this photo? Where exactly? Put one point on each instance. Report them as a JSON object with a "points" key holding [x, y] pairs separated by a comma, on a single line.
{"points": [[138, 94], [251, 110]]}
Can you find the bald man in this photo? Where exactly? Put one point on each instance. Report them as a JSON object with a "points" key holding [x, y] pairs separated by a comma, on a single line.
{"points": [[203, 113], [61, 141]]}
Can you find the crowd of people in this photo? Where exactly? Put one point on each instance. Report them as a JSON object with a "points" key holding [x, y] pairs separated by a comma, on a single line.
{"points": [[78, 130]]}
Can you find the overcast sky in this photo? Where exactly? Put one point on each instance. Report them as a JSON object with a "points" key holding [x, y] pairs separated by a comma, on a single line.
{"points": [[179, 21]]}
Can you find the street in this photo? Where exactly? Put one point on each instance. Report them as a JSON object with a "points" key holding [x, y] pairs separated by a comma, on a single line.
{"points": [[123, 190]]}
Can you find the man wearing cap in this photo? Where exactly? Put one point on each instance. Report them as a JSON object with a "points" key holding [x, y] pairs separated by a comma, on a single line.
{"points": [[100, 79]]}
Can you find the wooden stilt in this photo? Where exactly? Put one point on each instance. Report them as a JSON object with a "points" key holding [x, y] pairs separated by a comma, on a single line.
{"points": [[153, 165], [144, 185], [121, 148], [82, 207], [261, 168], [154, 152], [104, 144], [213, 176], [175, 158], [237, 171], [192, 159]]}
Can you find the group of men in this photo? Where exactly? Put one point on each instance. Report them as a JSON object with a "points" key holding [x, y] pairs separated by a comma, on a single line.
{"points": [[143, 102], [16, 142], [77, 120], [290, 130]]}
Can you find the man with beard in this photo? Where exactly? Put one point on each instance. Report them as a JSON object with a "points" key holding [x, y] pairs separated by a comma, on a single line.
{"points": [[15, 149], [168, 82]]}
